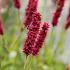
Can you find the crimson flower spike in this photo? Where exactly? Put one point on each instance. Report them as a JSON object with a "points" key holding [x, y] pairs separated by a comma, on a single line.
{"points": [[67, 25], [17, 4], [1, 26], [31, 7], [60, 5], [40, 38], [32, 33]]}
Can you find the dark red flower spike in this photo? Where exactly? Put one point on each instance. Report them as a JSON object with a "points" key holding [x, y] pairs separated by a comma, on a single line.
{"points": [[17, 4], [67, 25], [40, 39], [31, 8], [60, 5], [32, 33]]}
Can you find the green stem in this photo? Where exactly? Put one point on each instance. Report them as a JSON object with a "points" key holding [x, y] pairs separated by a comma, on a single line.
{"points": [[28, 62], [4, 45], [20, 33], [61, 41], [52, 37], [59, 44]]}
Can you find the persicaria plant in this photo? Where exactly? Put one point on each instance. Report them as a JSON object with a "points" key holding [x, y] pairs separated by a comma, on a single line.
{"points": [[31, 37]]}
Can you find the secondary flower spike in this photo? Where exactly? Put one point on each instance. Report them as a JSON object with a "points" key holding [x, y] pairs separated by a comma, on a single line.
{"points": [[60, 5], [32, 33], [40, 39], [31, 8], [17, 4], [1, 26], [67, 25]]}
